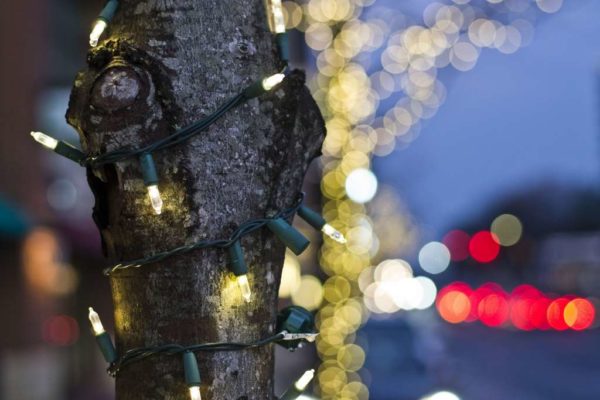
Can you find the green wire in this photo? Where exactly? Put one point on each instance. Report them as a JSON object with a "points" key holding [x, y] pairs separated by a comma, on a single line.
{"points": [[141, 353], [243, 230], [174, 139]]}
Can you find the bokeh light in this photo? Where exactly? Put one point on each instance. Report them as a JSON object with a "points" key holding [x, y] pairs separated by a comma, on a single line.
{"points": [[60, 330], [62, 195], [549, 6], [526, 308], [538, 312], [454, 306], [434, 257], [290, 276], [523, 305], [391, 287], [351, 357], [378, 77], [457, 242], [441, 395], [484, 247], [478, 295], [556, 314], [309, 293], [44, 272], [361, 185], [493, 309], [579, 314], [507, 229], [428, 290]]}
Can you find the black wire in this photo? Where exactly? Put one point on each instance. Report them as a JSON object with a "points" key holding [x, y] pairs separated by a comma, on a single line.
{"points": [[243, 230], [141, 353]]}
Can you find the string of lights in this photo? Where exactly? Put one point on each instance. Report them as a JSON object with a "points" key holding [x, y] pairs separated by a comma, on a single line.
{"points": [[295, 325], [244, 229], [147, 165], [289, 235], [254, 90], [138, 354], [144, 154]]}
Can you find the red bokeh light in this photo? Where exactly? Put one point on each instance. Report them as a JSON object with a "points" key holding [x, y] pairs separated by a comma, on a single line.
{"points": [[493, 309], [526, 290], [521, 310], [523, 307], [457, 242], [556, 314], [478, 294], [455, 286], [539, 313], [454, 307], [60, 330], [453, 302], [484, 247], [579, 314], [526, 307]]}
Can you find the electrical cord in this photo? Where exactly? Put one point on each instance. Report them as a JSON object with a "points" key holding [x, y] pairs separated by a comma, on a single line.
{"points": [[141, 353], [244, 229]]}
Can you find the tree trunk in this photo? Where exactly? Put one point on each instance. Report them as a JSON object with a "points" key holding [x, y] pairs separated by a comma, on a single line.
{"points": [[166, 64]]}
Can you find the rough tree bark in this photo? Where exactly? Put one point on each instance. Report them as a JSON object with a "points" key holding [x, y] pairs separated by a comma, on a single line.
{"points": [[165, 64]]}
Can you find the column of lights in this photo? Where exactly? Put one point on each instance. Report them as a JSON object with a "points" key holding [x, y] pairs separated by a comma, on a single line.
{"points": [[337, 204], [340, 52]]}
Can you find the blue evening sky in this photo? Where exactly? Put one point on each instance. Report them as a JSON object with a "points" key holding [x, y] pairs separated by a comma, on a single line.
{"points": [[512, 121]]}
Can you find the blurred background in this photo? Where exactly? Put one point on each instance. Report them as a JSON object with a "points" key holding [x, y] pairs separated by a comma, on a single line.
{"points": [[461, 162]]}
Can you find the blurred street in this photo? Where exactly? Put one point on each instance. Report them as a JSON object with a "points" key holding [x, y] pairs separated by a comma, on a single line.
{"points": [[498, 364], [476, 363]]}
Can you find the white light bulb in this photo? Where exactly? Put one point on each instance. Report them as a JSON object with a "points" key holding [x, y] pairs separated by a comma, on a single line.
{"points": [[195, 393], [97, 31], [304, 380], [96, 323], [155, 198], [278, 19], [242, 281], [333, 233], [44, 139], [272, 81]]}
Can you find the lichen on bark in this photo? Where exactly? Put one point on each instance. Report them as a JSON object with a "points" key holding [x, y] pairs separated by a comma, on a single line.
{"points": [[163, 65]]}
